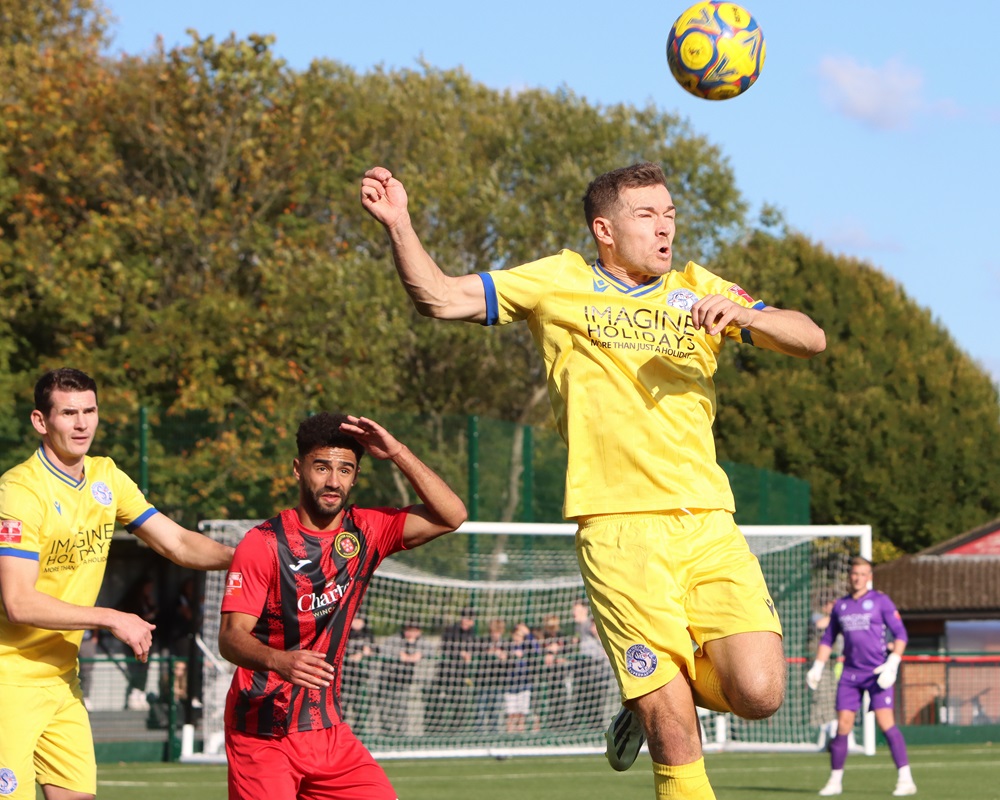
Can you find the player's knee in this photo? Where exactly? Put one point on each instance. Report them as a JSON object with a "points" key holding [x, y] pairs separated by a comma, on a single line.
{"points": [[759, 695]]}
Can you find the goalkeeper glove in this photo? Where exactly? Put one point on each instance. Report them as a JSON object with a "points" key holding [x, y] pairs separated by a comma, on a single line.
{"points": [[814, 674], [887, 672]]}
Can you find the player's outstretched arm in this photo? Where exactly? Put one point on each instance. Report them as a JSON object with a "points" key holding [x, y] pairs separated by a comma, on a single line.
{"points": [[434, 294], [442, 510], [186, 548], [25, 605], [238, 645], [782, 330]]}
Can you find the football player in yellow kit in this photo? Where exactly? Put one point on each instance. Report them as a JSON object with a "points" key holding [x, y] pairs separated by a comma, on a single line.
{"points": [[630, 347], [58, 512]]}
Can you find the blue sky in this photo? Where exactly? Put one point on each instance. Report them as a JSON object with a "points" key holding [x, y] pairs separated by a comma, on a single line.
{"points": [[874, 128]]}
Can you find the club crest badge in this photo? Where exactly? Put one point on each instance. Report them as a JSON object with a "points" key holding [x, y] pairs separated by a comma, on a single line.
{"points": [[682, 299], [640, 661], [102, 493], [347, 545], [8, 781]]}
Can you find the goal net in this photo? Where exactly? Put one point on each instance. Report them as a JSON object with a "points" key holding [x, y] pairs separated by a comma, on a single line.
{"points": [[481, 643]]}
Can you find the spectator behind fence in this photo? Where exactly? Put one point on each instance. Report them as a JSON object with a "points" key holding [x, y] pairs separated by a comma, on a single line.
{"points": [[141, 601], [521, 666], [401, 654], [185, 625], [450, 697], [491, 673], [356, 674], [592, 672], [553, 671]]}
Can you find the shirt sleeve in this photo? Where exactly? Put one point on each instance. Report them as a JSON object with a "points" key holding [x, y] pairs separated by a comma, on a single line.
{"points": [[249, 577], [133, 509], [892, 619], [21, 518], [714, 284], [383, 527], [513, 294], [832, 630]]}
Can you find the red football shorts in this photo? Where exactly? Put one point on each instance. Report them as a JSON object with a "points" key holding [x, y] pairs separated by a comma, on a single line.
{"points": [[328, 764]]}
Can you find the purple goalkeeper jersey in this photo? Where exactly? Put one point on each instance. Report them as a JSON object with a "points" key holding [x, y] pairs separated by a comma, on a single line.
{"points": [[863, 623]]}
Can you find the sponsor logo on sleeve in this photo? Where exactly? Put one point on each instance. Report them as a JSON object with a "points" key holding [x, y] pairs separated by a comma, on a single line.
{"points": [[234, 584], [10, 532], [738, 291]]}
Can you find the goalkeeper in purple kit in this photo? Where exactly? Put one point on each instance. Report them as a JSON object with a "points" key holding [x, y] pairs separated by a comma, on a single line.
{"points": [[870, 665]]}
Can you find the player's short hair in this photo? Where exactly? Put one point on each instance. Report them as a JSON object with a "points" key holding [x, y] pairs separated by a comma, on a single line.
{"points": [[603, 196], [857, 561], [323, 430], [64, 379]]}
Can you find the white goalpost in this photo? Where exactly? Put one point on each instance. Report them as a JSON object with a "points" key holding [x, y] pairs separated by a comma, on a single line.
{"points": [[492, 695]]}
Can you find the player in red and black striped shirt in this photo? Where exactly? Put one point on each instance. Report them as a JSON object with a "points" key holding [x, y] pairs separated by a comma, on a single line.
{"points": [[295, 584]]}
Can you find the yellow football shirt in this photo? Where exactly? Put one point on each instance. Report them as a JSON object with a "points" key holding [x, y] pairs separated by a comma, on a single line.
{"points": [[66, 526], [630, 380]]}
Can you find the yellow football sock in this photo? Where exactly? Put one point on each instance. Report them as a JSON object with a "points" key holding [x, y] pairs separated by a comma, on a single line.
{"points": [[687, 781], [707, 688]]}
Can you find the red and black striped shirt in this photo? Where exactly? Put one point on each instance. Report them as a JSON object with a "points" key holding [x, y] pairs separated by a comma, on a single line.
{"points": [[304, 587]]}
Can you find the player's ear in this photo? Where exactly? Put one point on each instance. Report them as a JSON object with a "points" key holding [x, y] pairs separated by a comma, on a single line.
{"points": [[603, 231], [297, 469], [38, 421]]}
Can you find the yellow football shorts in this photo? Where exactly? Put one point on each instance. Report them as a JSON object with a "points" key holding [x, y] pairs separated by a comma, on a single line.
{"points": [[45, 738], [662, 584]]}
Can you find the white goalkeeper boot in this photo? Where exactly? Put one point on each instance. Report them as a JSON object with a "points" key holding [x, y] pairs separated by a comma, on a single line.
{"points": [[833, 787], [625, 738]]}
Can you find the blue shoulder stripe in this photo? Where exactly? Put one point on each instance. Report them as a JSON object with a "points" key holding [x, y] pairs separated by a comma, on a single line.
{"points": [[745, 334], [10, 551], [492, 305], [138, 523]]}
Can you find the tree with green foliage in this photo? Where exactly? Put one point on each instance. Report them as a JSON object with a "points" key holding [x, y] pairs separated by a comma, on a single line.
{"points": [[894, 426], [184, 225]]}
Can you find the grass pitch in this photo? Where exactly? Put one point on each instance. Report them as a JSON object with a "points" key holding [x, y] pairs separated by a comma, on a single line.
{"points": [[949, 772]]}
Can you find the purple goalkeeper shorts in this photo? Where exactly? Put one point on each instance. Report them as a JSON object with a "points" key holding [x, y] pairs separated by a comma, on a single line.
{"points": [[854, 683]]}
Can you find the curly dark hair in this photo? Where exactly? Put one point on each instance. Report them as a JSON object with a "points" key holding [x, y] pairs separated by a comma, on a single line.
{"points": [[64, 379], [323, 430]]}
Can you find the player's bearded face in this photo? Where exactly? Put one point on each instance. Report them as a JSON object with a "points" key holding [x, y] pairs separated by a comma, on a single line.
{"points": [[326, 477]]}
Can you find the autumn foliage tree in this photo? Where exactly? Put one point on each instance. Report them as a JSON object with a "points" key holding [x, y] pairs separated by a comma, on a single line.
{"points": [[185, 226]]}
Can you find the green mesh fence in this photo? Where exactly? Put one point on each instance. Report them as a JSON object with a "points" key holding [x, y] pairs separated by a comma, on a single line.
{"points": [[196, 468]]}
